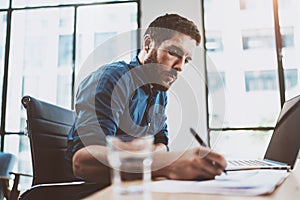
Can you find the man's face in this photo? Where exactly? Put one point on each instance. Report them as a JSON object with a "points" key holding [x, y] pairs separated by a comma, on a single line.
{"points": [[167, 60]]}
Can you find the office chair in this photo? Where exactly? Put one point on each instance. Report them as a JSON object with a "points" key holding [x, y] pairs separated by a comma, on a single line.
{"points": [[48, 126], [7, 161]]}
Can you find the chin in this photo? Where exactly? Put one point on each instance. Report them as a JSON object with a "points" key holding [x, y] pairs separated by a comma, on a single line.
{"points": [[162, 87]]}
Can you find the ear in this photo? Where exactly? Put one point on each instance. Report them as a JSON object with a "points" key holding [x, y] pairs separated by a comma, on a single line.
{"points": [[147, 42]]}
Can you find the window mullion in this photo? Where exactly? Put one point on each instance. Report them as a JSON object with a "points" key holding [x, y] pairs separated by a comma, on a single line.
{"points": [[279, 52], [74, 58], [5, 74]]}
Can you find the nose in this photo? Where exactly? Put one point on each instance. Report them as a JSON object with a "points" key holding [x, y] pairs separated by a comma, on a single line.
{"points": [[178, 66]]}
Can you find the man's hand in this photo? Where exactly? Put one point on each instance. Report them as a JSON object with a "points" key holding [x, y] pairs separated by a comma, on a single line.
{"points": [[194, 164]]}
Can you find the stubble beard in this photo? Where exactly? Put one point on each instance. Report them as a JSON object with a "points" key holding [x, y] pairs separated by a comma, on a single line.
{"points": [[152, 68]]}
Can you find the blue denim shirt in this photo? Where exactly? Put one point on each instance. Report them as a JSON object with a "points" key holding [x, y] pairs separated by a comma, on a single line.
{"points": [[117, 99]]}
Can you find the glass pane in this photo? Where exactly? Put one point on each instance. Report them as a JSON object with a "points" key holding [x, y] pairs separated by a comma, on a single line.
{"points": [[111, 37], [290, 29], [40, 60], [19, 146], [241, 63], [241, 144], [29, 3], [2, 49], [4, 3]]}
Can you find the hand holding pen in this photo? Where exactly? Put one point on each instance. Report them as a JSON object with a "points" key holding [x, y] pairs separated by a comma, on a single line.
{"points": [[202, 143]]}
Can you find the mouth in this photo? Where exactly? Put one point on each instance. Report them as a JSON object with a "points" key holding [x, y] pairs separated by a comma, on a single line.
{"points": [[170, 78]]}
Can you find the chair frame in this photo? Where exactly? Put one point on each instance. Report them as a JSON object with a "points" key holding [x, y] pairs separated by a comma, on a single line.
{"points": [[42, 186]]}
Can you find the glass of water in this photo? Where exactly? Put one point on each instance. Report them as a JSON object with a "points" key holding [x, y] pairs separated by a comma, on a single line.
{"points": [[130, 163]]}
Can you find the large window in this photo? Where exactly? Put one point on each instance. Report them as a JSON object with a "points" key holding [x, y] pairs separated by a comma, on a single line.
{"points": [[249, 67], [49, 42]]}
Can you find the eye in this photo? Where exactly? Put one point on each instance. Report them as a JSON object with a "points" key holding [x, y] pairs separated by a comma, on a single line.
{"points": [[175, 52], [187, 60], [178, 53]]}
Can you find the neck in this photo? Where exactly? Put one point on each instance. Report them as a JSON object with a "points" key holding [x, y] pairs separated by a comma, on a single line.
{"points": [[141, 56]]}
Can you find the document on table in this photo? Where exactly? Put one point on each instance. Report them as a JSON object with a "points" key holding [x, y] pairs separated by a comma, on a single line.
{"points": [[246, 182]]}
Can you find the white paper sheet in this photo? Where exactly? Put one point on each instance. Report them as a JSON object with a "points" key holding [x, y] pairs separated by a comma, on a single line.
{"points": [[247, 182]]}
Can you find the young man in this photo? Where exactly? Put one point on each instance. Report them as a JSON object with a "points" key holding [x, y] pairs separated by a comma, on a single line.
{"points": [[129, 100]]}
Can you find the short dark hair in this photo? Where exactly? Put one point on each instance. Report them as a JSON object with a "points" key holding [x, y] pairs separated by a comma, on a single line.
{"points": [[164, 27]]}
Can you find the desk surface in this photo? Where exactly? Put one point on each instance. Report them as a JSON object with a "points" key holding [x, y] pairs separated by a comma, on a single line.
{"points": [[289, 189]]}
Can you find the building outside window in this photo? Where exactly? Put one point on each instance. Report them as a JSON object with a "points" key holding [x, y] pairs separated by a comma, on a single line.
{"points": [[267, 80], [264, 38]]}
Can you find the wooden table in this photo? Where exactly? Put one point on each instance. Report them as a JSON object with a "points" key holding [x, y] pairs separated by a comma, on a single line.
{"points": [[288, 190]]}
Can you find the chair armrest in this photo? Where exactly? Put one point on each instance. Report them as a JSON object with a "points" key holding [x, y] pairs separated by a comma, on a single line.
{"points": [[16, 181], [60, 191], [20, 174], [15, 174], [14, 192]]}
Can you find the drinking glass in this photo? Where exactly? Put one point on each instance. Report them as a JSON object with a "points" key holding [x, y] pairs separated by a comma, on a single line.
{"points": [[130, 163]]}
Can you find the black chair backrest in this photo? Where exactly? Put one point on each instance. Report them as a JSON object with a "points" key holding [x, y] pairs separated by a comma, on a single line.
{"points": [[48, 127]]}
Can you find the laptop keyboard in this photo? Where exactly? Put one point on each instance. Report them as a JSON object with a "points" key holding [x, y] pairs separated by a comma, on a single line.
{"points": [[248, 163]]}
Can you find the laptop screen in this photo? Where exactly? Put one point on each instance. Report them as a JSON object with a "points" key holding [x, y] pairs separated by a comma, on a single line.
{"points": [[285, 141]]}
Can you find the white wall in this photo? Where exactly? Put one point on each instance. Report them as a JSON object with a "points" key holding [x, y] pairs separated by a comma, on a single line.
{"points": [[186, 104]]}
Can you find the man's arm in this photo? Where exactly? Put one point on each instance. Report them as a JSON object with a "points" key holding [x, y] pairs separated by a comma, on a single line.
{"points": [[90, 164], [161, 147]]}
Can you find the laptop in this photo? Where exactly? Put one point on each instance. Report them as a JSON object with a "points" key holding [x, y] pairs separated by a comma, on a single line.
{"points": [[284, 145]]}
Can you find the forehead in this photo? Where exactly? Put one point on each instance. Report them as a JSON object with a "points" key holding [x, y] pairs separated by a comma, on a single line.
{"points": [[184, 42]]}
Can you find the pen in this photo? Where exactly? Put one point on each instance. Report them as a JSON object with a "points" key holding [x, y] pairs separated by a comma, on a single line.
{"points": [[198, 138], [201, 142]]}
